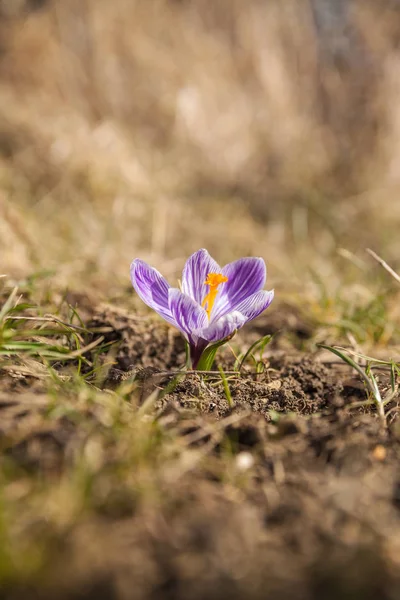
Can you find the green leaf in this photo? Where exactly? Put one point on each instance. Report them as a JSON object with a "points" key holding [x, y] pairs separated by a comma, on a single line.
{"points": [[260, 343], [188, 363], [227, 390], [208, 356], [366, 375]]}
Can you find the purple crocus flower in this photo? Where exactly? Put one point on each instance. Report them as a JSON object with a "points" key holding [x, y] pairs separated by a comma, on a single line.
{"points": [[213, 302]]}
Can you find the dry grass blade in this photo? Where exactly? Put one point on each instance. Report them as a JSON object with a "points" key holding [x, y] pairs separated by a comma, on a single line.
{"points": [[48, 319], [384, 264], [9, 303], [81, 351]]}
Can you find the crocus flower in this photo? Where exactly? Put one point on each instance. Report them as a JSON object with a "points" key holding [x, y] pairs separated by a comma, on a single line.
{"points": [[213, 302]]}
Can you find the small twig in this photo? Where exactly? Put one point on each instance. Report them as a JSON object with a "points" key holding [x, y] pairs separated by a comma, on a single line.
{"points": [[191, 372], [384, 264], [47, 320], [85, 349]]}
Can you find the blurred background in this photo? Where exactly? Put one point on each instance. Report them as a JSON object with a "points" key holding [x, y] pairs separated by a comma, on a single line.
{"points": [[154, 127]]}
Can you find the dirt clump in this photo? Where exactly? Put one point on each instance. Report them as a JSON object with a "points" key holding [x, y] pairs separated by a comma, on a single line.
{"points": [[303, 388], [138, 341]]}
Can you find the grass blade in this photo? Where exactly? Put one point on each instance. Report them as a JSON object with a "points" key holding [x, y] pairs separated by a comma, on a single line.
{"points": [[260, 343], [367, 376], [227, 390], [8, 304]]}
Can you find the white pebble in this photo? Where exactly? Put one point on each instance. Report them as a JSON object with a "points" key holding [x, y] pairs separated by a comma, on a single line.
{"points": [[244, 461]]}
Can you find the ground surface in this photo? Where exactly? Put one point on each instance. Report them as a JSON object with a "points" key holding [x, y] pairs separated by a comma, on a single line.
{"points": [[152, 128], [129, 486]]}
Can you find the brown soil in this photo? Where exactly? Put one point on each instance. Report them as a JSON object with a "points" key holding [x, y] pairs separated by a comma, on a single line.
{"points": [[287, 493]]}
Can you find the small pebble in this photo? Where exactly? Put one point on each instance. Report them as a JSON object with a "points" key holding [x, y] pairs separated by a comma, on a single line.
{"points": [[379, 453], [244, 461]]}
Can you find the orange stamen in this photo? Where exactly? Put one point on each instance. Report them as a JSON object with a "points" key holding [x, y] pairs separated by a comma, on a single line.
{"points": [[213, 281]]}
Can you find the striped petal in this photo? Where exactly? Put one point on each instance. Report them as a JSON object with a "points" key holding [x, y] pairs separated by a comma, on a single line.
{"points": [[188, 315], [246, 276], [152, 288], [195, 272], [255, 304], [225, 326]]}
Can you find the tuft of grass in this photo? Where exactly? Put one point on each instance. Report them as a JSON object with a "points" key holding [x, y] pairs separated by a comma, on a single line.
{"points": [[258, 345], [367, 374], [32, 343]]}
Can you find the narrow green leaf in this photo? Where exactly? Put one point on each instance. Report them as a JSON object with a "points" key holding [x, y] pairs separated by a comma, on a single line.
{"points": [[188, 364], [208, 356], [376, 361], [367, 375], [260, 343], [171, 386], [227, 390], [348, 360]]}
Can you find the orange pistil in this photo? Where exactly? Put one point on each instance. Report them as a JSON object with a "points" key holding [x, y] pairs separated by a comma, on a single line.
{"points": [[213, 281]]}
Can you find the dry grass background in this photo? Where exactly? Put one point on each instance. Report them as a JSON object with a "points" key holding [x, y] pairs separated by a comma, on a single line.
{"points": [[155, 127]]}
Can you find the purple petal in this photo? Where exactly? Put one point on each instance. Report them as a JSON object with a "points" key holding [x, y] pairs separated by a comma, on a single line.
{"points": [[254, 305], [187, 313], [152, 288], [195, 272], [246, 276], [218, 330]]}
